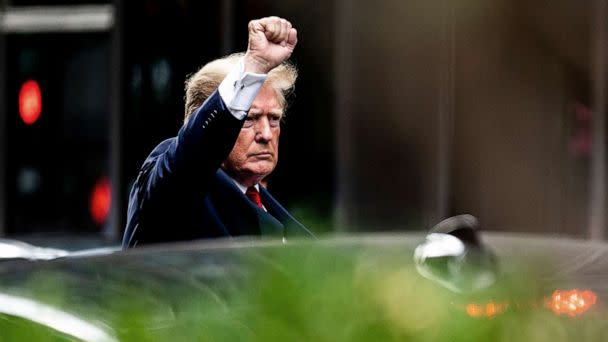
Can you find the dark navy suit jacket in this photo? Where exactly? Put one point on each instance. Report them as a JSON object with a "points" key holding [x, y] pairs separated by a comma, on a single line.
{"points": [[182, 194]]}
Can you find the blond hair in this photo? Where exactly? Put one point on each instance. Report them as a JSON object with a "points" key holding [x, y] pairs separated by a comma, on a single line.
{"points": [[200, 85]]}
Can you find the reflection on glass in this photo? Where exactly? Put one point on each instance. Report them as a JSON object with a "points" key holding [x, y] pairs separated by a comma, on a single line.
{"points": [[51, 317]]}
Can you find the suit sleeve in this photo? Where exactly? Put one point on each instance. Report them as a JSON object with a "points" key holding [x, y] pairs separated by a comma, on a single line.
{"points": [[184, 169], [201, 145]]}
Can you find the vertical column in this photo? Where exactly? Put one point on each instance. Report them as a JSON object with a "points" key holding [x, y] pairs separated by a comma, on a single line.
{"points": [[343, 67], [3, 141], [227, 13], [445, 129], [117, 211], [597, 183]]}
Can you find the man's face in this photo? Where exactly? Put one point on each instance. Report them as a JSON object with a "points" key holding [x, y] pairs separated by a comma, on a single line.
{"points": [[256, 151]]}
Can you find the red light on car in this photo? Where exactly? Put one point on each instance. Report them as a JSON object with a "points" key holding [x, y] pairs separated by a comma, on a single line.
{"points": [[487, 310], [30, 102], [474, 310], [101, 199], [573, 302]]}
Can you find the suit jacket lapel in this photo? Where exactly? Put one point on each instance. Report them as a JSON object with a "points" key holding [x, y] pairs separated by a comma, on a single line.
{"points": [[291, 226], [229, 200]]}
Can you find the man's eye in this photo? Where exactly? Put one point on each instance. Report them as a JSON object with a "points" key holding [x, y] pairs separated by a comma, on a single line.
{"points": [[248, 122], [274, 120]]}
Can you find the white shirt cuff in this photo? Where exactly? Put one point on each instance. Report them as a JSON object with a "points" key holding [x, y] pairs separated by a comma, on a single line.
{"points": [[239, 89]]}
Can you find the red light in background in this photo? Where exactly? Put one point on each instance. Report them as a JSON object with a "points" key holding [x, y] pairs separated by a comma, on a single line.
{"points": [[30, 102], [571, 303], [101, 200]]}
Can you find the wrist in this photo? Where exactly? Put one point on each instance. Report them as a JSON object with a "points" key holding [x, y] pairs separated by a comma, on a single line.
{"points": [[255, 65]]}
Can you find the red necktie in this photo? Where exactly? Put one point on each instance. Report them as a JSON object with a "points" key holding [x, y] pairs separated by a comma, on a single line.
{"points": [[253, 194]]}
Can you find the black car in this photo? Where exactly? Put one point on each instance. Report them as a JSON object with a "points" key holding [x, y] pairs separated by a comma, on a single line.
{"points": [[444, 286]]}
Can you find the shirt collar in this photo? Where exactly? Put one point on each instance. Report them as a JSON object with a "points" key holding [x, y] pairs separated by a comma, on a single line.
{"points": [[242, 187]]}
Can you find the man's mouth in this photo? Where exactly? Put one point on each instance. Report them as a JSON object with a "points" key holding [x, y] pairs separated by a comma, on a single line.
{"points": [[262, 155]]}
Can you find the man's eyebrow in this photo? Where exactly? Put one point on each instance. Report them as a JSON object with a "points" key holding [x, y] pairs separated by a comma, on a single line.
{"points": [[254, 113]]}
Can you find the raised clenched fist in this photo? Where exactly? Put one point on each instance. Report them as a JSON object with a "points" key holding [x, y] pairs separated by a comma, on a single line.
{"points": [[271, 41]]}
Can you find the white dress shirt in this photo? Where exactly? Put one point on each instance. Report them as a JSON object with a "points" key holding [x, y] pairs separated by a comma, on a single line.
{"points": [[239, 89]]}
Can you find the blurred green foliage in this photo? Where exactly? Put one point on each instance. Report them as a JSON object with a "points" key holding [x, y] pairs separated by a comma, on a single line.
{"points": [[306, 292]]}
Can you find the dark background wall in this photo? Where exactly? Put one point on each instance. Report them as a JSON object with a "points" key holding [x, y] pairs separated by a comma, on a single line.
{"points": [[405, 112]]}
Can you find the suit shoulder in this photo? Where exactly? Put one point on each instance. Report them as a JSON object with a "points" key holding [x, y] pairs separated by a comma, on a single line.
{"points": [[160, 149]]}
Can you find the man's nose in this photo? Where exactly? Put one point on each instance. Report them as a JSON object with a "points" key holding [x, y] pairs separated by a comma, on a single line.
{"points": [[263, 131]]}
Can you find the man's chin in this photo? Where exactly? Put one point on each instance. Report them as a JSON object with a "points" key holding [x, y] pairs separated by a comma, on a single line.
{"points": [[260, 169]]}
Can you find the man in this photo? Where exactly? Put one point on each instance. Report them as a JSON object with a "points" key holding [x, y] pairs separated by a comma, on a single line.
{"points": [[204, 183]]}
